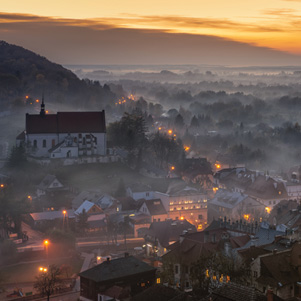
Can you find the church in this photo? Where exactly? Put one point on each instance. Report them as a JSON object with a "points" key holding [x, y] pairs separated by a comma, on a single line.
{"points": [[64, 135]]}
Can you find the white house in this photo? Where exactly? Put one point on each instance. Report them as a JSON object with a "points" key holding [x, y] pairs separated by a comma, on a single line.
{"points": [[140, 191], [49, 183], [65, 134]]}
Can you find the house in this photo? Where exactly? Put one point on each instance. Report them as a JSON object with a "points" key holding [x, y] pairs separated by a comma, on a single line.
{"points": [[235, 204], [263, 188], [64, 135], [140, 191], [102, 200], [97, 222], [89, 208], [288, 213], [161, 234], [293, 189], [50, 217], [155, 209], [127, 272], [185, 203], [126, 204], [219, 237], [237, 292], [49, 184], [279, 272]]}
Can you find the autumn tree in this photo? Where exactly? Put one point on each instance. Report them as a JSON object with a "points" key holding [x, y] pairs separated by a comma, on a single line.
{"points": [[47, 282]]}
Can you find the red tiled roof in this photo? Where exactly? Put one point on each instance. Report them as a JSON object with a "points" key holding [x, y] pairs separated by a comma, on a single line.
{"points": [[66, 122]]}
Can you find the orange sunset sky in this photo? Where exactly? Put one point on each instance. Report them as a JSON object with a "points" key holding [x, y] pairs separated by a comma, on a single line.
{"points": [[62, 30]]}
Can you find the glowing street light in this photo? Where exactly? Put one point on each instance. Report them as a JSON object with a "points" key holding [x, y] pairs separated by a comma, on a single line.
{"points": [[169, 132]]}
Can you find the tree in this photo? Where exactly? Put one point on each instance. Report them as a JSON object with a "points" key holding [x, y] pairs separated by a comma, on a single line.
{"points": [[179, 121], [194, 122], [47, 282], [82, 221], [17, 156], [121, 191]]}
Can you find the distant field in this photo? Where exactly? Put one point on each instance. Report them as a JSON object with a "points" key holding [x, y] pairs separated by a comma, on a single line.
{"points": [[106, 177]]}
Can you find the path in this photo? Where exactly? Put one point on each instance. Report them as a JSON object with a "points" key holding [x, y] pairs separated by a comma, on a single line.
{"points": [[86, 264]]}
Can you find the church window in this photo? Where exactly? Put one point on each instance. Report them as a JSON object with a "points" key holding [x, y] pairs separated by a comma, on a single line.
{"points": [[44, 143], [84, 141], [35, 143], [53, 142]]}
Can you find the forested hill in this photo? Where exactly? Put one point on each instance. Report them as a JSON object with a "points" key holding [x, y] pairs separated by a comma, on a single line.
{"points": [[23, 72]]}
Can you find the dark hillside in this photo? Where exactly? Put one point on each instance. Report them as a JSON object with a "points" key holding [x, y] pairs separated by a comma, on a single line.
{"points": [[22, 72]]}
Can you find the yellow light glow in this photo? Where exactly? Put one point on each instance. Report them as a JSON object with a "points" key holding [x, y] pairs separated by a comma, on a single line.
{"points": [[26, 96], [182, 218], [246, 217], [45, 270], [37, 100], [169, 132], [46, 242], [268, 210], [64, 212], [47, 112], [218, 166], [1, 185], [172, 168], [186, 148], [215, 189], [41, 269]]}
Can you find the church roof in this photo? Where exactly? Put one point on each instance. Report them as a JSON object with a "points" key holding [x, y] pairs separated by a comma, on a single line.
{"points": [[66, 122]]}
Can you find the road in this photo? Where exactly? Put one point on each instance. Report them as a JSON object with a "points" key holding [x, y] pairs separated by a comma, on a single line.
{"points": [[98, 242]]}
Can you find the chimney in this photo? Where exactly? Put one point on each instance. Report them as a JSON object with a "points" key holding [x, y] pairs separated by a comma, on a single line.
{"points": [[108, 259], [269, 295]]}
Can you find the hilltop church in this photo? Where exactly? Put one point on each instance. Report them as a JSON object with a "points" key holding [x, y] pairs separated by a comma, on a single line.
{"points": [[64, 135]]}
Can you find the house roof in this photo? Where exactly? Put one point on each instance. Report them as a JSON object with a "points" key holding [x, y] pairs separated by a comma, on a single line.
{"points": [[276, 269], [116, 292], [97, 221], [263, 237], [51, 215], [116, 269], [182, 191], [266, 188], [236, 292], [140, 187], [159, 292], [227, 199], [21, 136], [92, 196], [285, 212], [86, 205], [46, 182], [155, 207], [168, 231], [66, 122], [127, 203], [252, 253]]}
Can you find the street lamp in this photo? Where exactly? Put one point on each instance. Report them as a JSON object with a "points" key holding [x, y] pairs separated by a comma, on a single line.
{"points": [[42, 269], [46, 244]]}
